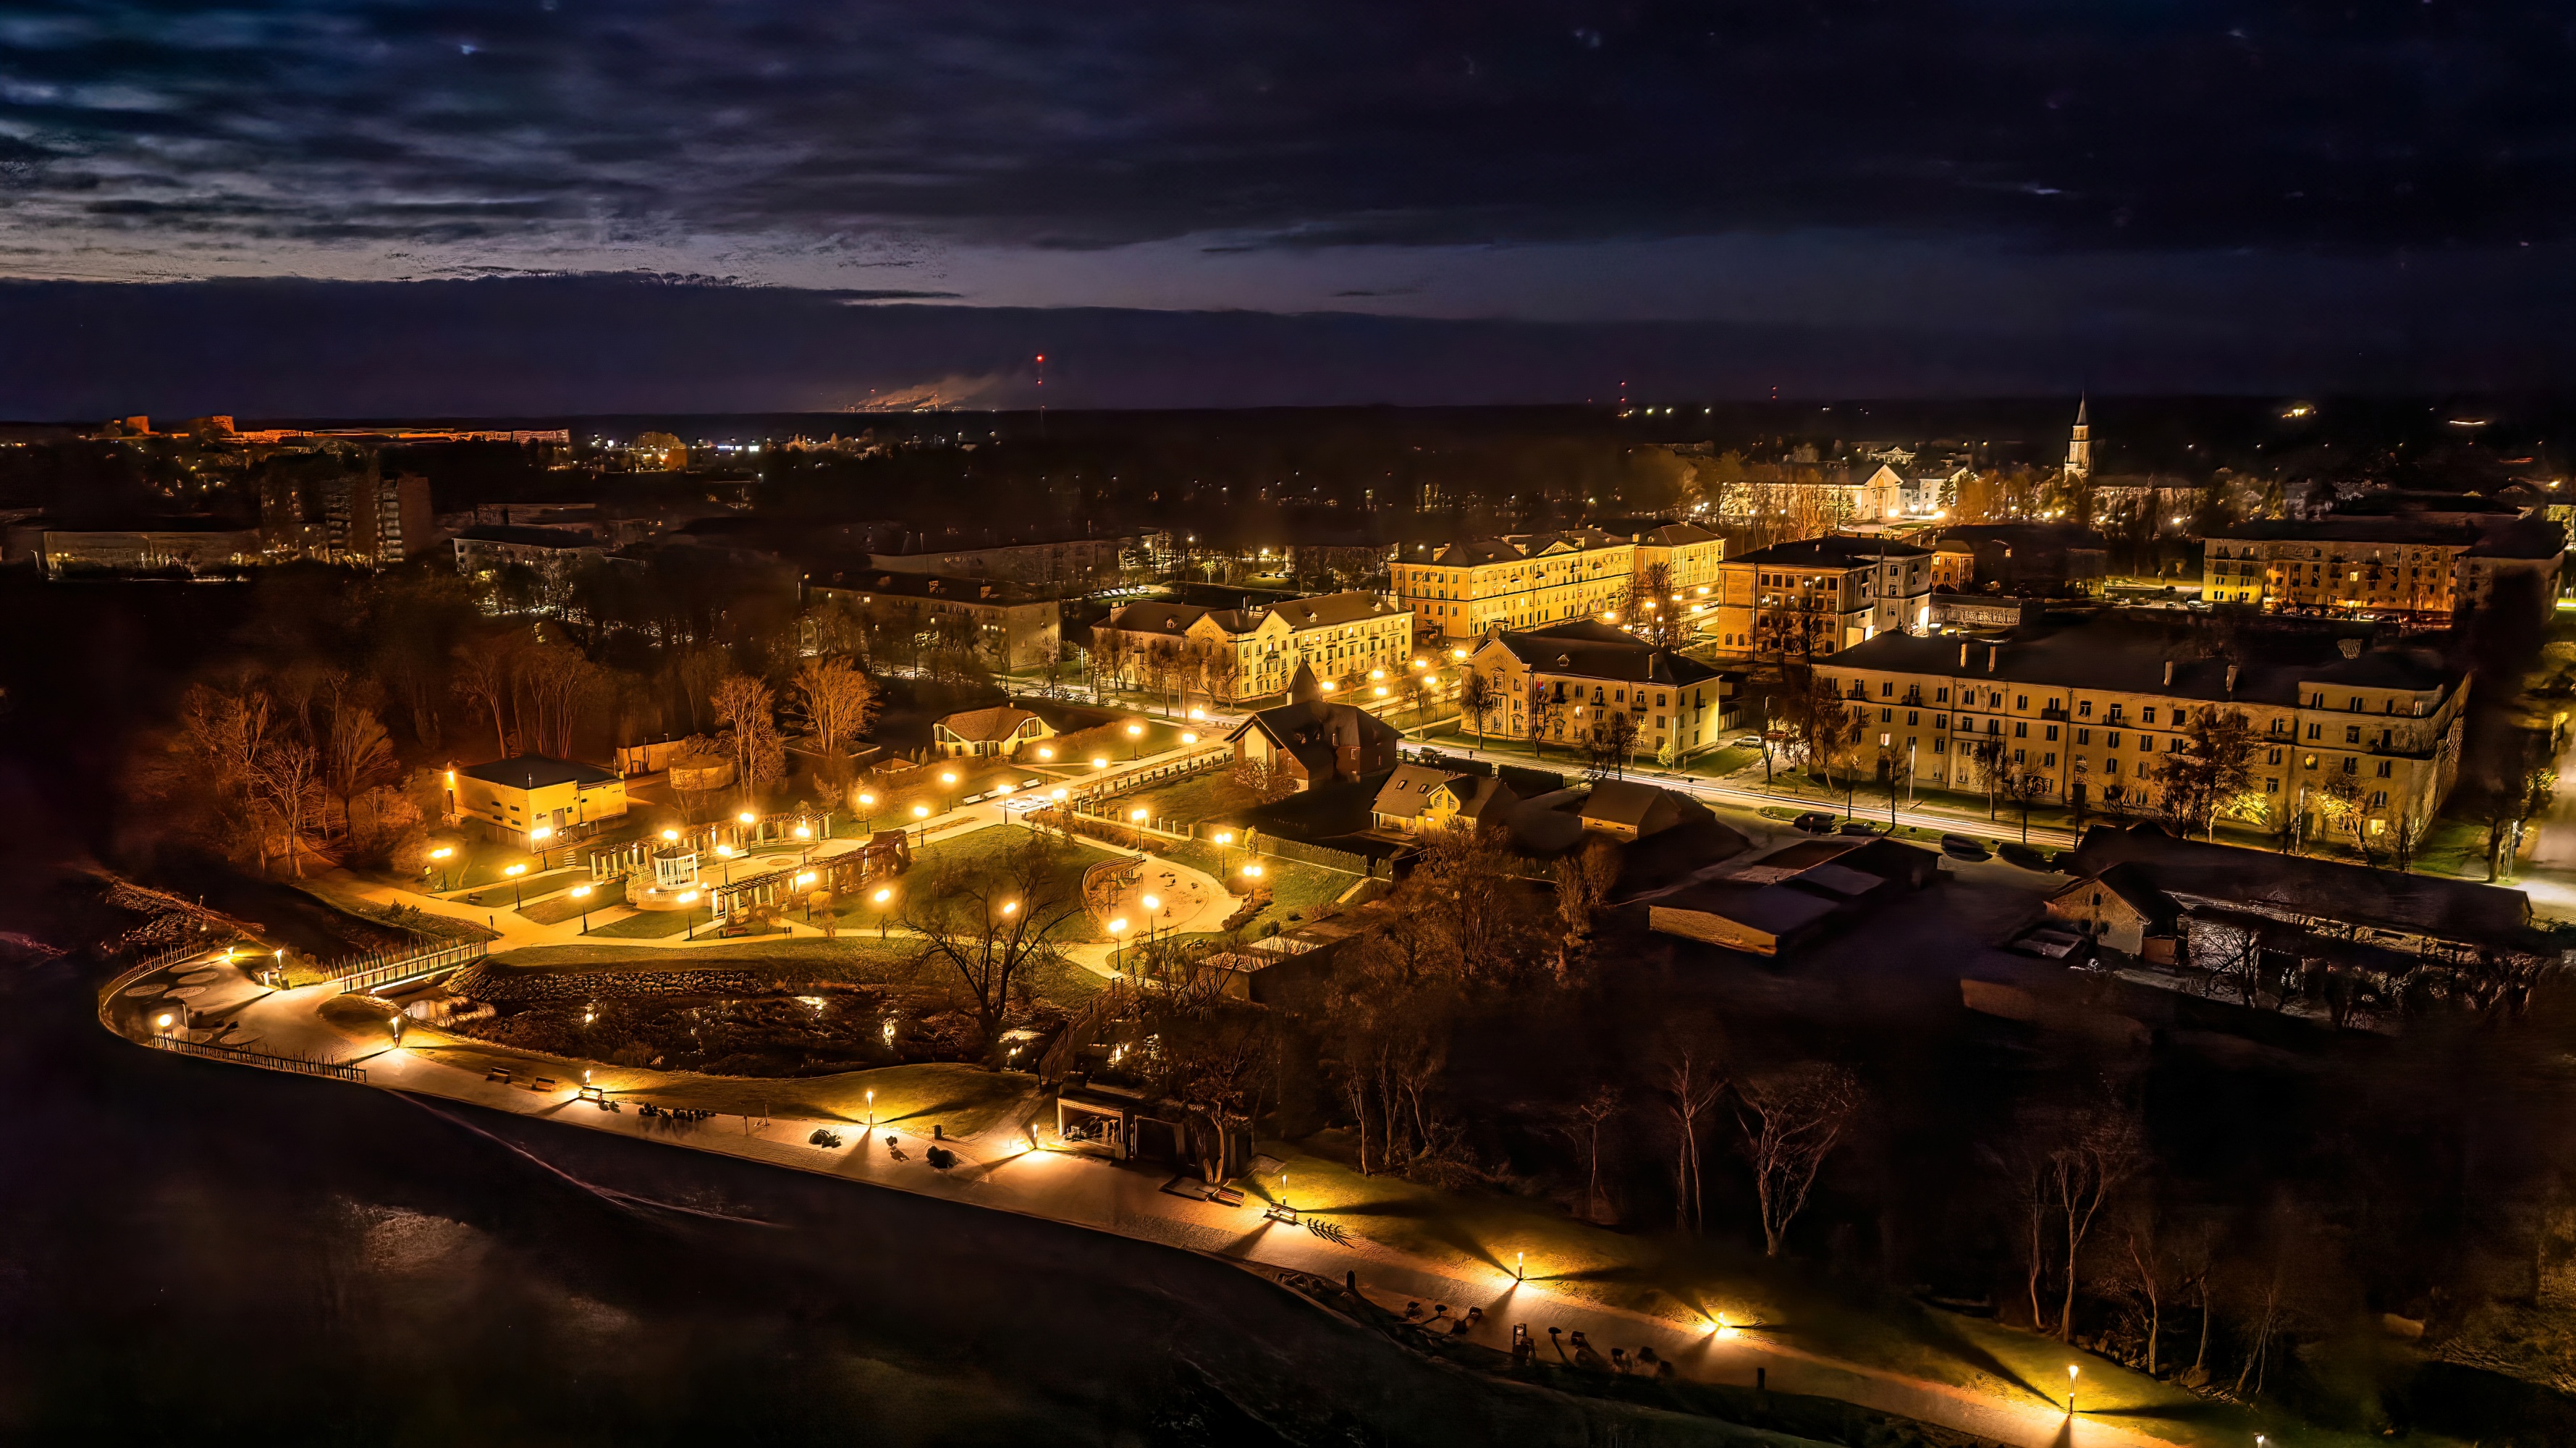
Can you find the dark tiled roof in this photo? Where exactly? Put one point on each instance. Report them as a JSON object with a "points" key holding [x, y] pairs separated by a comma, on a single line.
{"points": [[1838, 551], [2117, 652], [527, 537], [1597, 651], [1157, 617], [535, 771], [1468, 552], [2453, 910], [1330, 610], [948, 587], [985, 725]]}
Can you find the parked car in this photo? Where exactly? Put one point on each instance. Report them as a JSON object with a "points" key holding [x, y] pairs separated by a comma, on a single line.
{"points": [[1857, 827], [2029, 857], [1749, 741], [1965, 847], [1815, 822]]}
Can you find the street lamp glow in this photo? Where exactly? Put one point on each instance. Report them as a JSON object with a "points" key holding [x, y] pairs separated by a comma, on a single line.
{"points": [[1010, 907], [1252, 871], [882, 896], [804, 832], [520, 869], [921, 811], [1055, 794], [541, 832], [805, 879], [1225, 837], [948, 776], [1377, 673], [1134, 730], [441, 853], [868, 800], [1135, 814], [581, 892], [1118, 926], [1099, 761], [724, 852], [670, 837], [746, 817], [1151, 903], [1189, 738], [1329, 686], [688, 897], [1381, 691], [1046, 751]]}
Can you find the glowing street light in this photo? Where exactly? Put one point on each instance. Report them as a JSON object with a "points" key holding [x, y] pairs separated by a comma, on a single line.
{"points": [[868, 806], [1138, 815], [1099, 761], [1189, 738], [1117, 937], [514, 872], [442, 855], [1135, 741], [538, 838], [582, 894], [1046, 751], [2070, 1390]]}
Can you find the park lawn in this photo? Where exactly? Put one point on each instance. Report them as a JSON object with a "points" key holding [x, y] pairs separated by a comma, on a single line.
{"points": [[1066, 983], [1296, 888], [527, 887], [652, 925], [1483, 1237], [893, 809], [859, 961], [567, 906], [1184, 802], [984, 849]]}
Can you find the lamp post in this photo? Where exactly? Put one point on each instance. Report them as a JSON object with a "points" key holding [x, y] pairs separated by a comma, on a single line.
{"points": [[582, 894], [2070, 1390], [885, 906], [872, 1106], [804, 843], [1117, 937], [748, 821], [689, 913], [1151, 904], [920, 831], [442, 855], [514, 872], [868, 809], [1135, 741], [538, 838]]}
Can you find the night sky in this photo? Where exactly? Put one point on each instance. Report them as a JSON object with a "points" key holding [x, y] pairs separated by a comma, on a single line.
{"points": [[797, 205]]}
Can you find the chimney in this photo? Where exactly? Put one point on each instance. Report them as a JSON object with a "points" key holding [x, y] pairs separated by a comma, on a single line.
{"points": [[2231, 681], [1994, 653], [2169, 673], [1963, 656]]}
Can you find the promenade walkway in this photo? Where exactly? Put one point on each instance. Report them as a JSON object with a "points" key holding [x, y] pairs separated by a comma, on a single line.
{"points": [[1002, 1168]]}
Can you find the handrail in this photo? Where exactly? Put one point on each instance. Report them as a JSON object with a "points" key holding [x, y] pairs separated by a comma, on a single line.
{"points": [[294, 1065]]}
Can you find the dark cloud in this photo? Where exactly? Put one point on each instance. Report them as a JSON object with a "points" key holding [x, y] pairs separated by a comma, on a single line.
{"points": [[553, 346], [588, 124]]}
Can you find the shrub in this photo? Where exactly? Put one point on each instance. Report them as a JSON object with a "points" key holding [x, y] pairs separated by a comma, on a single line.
{"points": [[940, 1158]]}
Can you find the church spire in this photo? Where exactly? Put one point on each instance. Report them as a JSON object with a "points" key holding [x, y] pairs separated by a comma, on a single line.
{"points": [[2079, 446]]}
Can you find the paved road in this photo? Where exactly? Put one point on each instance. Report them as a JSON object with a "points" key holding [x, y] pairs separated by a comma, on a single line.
{"points": [[1001, 1172], [1754, 797]]}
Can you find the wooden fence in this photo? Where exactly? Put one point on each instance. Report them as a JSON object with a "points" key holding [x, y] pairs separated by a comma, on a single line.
{"points": [[294, 1065]]}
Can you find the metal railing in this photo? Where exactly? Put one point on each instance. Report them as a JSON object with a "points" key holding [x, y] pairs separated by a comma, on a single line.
{"points": [[372, 971], [293, 1065]]}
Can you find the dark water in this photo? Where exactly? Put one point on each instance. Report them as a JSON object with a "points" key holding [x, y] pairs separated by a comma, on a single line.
{"points": [[192, 1252]]}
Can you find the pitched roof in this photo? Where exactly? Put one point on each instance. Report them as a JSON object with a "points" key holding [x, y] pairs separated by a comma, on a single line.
{"points": [[1156, 616], [2354, 894], [536, 771], [1468, 552], [986, 725], [1588, 649], [1620, 801], [1838, 551], [2128, 652], [1331, 610]]}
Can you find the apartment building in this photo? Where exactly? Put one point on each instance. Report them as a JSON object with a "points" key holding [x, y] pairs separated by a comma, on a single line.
{"points": [[358, 517], [2090, 708], [1353, 639], [1822, 595], [2415, 569], [1459, 590], [1573, 676], [1059, 565], [1010, 626]]}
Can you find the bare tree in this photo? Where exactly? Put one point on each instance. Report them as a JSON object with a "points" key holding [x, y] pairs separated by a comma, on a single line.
{"points": [[995, 927], [1580, 1124], [839, 702], [1268, 780], [1690, 1080], [357, 755], [1476, 700], [286, 778], [482, 679], [1583, 882], [749, 712], [1792, 1119], [2072, 1161]]}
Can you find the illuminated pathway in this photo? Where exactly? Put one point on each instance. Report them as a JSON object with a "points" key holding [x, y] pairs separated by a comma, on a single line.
{"points": [[1000, 1170]]}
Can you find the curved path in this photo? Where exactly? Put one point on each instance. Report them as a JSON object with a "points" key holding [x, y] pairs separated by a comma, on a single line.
{"points": [[1001, 1170]]}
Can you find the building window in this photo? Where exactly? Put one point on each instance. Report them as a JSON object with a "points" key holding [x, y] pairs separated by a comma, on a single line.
{"points": [[2387, 767], [2052, 732], [2352, 764], [2083, 708], [2020, 731], [2272, 786]]}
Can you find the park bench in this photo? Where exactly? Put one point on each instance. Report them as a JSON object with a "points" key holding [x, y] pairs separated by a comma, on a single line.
{"points": [[542, 1083], [498, 1073]]}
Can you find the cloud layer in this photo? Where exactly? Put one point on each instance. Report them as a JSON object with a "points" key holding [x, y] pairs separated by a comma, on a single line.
{"points": [[825, 142]]}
